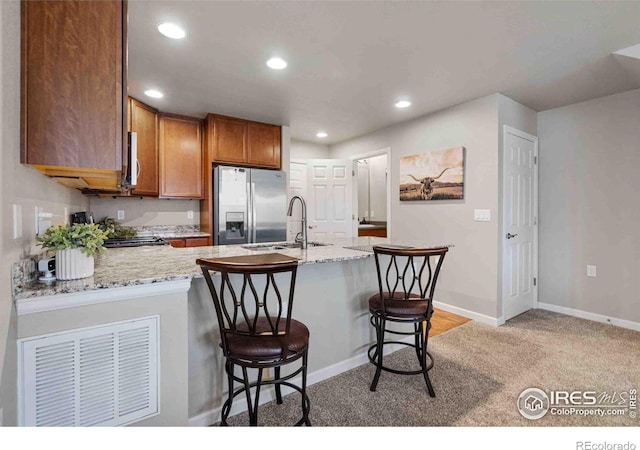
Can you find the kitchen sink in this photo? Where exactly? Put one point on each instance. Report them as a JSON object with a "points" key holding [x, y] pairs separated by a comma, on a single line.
{"points": [[281, 245]]}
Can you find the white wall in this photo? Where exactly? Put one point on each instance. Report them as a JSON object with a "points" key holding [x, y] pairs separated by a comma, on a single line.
{"points": [[308, 150], [147, 211], [20, 185], [470, 273], [589, 157]]}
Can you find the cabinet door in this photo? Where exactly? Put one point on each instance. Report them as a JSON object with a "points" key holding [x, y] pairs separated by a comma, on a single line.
{"points": [[196, 242], [144, 121], [72, 84], [179, 243], [263, 145], [180, 157], [229, 140]]}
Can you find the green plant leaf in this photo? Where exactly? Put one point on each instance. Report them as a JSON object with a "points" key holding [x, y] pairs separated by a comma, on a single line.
{"points": [[86, 236]]}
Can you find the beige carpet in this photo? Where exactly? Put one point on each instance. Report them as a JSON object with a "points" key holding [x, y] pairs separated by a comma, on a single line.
{"points": [[478, 375]]}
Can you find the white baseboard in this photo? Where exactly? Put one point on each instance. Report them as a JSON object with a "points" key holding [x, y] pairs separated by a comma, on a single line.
{"points": [[488, 320], [590, 316]]}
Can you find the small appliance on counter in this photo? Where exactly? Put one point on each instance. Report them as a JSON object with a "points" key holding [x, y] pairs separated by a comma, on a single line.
{"points": [[82, 217], [47, 267]]}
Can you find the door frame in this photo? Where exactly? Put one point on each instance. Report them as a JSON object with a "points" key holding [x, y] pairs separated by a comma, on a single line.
{"points": [[521, 134], [354, 159]]}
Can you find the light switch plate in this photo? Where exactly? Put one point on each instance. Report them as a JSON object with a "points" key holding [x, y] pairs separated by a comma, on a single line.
{"points": [[482, 215], [120, 214], [591, 271], [17, 221]]}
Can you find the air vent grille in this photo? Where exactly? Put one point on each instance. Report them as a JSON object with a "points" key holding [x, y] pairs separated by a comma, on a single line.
{"points": [[106, 375]]}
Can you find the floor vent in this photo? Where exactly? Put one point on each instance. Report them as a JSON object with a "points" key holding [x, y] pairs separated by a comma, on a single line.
{"points": [[100, 376]]}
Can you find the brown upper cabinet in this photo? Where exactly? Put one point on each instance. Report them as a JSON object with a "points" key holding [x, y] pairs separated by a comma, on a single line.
{"points": [[242, 142], [180, 157], [73, 90], [143, 120]]}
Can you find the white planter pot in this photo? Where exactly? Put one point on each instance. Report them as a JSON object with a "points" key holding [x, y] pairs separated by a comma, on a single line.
{"points": [[72, 264]]}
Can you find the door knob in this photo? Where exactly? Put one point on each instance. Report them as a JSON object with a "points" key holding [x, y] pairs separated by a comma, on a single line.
{"points": [[509, 235]]}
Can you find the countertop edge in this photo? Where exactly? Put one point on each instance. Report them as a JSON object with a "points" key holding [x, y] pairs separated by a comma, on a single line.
{"points": [[52, 302]]}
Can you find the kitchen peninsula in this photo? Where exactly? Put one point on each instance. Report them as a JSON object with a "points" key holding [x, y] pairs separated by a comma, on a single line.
{"points": [[333, 285]]}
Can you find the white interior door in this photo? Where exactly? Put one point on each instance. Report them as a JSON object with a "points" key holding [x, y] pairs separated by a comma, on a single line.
{"points": [[520, 210], [330, 202], [297, 186]]}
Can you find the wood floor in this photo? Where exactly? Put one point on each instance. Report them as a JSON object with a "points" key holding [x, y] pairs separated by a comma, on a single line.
{"points": [[442, 321]]}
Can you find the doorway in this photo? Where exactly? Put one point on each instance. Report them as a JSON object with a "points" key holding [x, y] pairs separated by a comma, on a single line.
{"points": [[372, 193]]}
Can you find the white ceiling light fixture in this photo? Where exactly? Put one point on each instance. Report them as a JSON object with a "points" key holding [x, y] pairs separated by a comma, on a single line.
{"points": [[153, 93], [171, 30], [321, 134], [277, 63], [403, 104]]}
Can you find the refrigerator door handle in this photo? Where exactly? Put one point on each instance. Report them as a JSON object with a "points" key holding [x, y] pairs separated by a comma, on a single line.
{"points": [[253, 213], [249, 208]]}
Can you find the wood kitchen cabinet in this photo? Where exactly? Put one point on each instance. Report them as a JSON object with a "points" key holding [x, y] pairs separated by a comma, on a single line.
{"points": [[241, 142], [189, 242], [263, 145], [143, 120], [73, 90], [180, 151]]}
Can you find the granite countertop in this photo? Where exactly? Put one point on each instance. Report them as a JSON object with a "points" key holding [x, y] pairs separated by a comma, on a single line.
{"points": [[119, 267]]}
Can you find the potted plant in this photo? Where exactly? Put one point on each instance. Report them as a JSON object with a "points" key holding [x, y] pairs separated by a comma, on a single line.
{"points": [[75, 246]]}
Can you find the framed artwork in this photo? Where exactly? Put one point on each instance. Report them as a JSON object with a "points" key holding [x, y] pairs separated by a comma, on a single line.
{"points": [[435, 175]]}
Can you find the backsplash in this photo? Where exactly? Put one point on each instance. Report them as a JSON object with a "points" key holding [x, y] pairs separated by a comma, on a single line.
{"points": [[166, 230], [146, 212]]}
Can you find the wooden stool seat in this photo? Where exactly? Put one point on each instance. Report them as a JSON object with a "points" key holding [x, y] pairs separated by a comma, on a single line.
{"points": [[266, 346], [395, 304]]}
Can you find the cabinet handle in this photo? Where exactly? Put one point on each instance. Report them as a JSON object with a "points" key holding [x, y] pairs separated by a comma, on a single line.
{"points": [[139, 168]]}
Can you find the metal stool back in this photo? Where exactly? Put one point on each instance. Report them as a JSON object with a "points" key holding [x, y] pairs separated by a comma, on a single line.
{"points": [[256, 327], [407, 280]]}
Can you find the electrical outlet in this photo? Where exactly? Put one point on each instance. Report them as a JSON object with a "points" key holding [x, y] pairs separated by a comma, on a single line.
{"points": [[1, 417], [17, 221], [121, 214], [66, 215], [190, 214], [373, 214], [591, 271]]}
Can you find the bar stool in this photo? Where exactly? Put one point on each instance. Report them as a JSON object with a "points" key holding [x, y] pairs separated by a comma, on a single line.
{"points": [[406, 282], [256, 327]]}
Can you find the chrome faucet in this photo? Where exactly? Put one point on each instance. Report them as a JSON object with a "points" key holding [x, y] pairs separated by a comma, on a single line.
{"points": [[302, 236]]}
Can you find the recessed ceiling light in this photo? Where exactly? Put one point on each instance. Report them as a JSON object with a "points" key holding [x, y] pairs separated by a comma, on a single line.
{"points": [[277, 63], [153, 93], [171, 30], [403, 104], [322, 134]]}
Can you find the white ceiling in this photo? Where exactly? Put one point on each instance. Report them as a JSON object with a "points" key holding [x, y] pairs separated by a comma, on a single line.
{"points": [[350, 60]]}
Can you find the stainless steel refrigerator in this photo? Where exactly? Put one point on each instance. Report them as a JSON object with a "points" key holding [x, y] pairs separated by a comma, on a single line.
{"points": [[249, 205]]}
